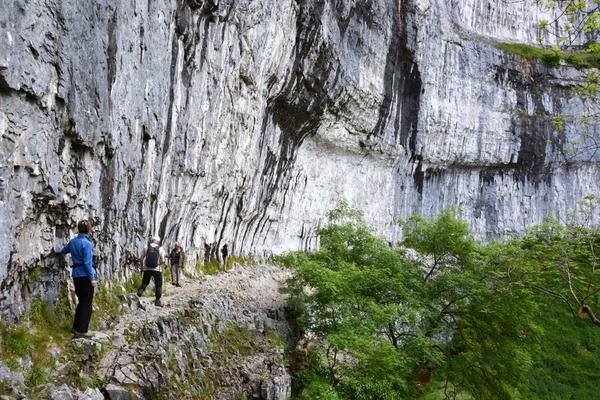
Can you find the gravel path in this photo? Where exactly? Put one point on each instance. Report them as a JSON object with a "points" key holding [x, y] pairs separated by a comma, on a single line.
{"points": [[242, 291]]}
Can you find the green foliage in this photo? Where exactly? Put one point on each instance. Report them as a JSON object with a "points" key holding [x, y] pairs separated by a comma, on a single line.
{"points": [[359, 288], [575, 18], [37, 376], [574, 21], [563, 260], [30, 338], [524, 50], [21, 341], [211, 268], [17, 341], [48, 325], [238, 260], [132, 285], [552, 58], [477, 300], [568, 364], [108, 300], [558, 122], [35, 274], [214, 267], [312, 384], [387, 319], [319, 389], [98, 383]]}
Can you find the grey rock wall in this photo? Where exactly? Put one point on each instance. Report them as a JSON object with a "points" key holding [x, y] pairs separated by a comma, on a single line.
{"points": [[247, 120], [484, 139]]}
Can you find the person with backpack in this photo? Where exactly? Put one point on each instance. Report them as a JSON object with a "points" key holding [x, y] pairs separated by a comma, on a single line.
{"points": [[177, 256], [225, 253], [153, 256], [84, 278]]}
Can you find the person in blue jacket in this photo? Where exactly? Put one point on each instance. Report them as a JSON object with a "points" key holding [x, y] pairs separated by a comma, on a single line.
{"points": [[84, 278]]}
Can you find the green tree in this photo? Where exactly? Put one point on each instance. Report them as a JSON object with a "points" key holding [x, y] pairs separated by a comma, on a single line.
{"points": [[352, 293], [389, 318], [478, 302], [564, 260]]}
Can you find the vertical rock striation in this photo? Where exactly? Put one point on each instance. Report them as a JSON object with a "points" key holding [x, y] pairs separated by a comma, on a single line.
{"points": [[485, 140], [247, 120]]}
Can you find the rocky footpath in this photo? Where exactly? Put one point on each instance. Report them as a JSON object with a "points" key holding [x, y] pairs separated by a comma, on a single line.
{"points": [[221, 337]]}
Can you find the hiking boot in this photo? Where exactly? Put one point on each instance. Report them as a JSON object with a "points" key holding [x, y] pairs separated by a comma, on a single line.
{"points": [[139, 292], [86, 335], [158, 303], [177, 284]]}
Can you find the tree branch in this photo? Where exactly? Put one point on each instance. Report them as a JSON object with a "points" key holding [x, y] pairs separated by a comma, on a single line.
{"points": [[588, 310]]}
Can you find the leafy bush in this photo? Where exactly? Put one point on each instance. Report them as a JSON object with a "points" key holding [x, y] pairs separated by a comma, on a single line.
{"points": [[551, 60], [386, 318]]}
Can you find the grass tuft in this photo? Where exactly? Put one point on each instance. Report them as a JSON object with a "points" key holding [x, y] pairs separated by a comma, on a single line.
{"points": [[552, 59]]}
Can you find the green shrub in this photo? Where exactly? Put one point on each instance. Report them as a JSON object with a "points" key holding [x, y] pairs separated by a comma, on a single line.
{"points": [[550, 60], [383, 316]]}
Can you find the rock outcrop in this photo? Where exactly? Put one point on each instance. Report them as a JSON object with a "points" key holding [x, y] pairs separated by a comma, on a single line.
{"points": [[207, 121]]}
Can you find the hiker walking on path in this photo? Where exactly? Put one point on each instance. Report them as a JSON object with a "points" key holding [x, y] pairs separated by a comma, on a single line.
{"points": [[225, 253], [177, 256], [153, 256], [84, 278]]}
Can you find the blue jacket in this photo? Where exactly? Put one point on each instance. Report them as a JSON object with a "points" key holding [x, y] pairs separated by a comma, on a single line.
{"points": [[81, 255]]}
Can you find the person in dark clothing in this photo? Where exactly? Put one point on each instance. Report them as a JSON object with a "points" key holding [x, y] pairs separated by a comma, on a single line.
{"points": [[84, 278], [153, 256], [225, 253], [177, 256]]}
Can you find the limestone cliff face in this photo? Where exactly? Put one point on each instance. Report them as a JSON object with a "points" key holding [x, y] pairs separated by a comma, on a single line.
{"points": [[247, 120]]}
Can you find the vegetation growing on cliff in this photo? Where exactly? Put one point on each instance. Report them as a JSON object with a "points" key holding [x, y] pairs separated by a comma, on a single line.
{"points": [[552, 58]]}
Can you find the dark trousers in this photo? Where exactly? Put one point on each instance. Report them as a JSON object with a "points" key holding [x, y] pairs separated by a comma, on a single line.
{"points": [[85, 294], [158, 282]]}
